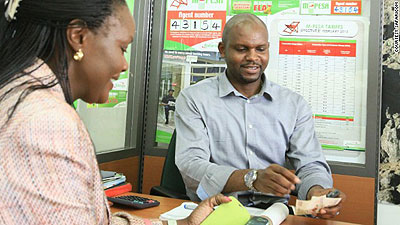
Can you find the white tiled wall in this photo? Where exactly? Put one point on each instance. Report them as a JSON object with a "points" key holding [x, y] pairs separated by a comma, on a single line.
{"points": [[388, 214]]}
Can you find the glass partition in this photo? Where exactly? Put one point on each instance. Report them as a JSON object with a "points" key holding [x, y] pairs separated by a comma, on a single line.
{"points": [[106, 123]]}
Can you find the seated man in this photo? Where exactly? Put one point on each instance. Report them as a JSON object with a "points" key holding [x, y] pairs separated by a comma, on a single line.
{"points": [[235, 131]]}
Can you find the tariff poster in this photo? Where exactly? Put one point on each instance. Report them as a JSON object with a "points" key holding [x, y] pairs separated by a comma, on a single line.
{"points": [[328, 56], [194, 25]]}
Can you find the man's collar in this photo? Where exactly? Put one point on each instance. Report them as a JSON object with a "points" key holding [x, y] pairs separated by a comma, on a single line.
{"points": [[226, 88], [267, 88]]}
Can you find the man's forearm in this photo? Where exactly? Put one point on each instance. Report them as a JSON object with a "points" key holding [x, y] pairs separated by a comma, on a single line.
{"points": [[236, 182]]}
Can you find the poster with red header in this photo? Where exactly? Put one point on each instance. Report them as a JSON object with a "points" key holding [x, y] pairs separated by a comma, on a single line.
{"points": [[194, 25], [346, 8]]}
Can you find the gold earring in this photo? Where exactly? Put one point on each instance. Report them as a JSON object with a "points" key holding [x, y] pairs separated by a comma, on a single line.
{"points": [[78, 55]]}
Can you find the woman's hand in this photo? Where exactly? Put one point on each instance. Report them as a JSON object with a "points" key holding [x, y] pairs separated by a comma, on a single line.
{"points": [[204, 209]]}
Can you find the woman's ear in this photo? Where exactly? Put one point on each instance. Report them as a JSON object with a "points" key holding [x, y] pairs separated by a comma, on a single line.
{"points": [[77, 32], [221, 49]]}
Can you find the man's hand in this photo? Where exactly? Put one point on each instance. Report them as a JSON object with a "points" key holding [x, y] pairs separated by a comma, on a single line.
{"points": [[328, 212], [276, 180], [204, 209]]}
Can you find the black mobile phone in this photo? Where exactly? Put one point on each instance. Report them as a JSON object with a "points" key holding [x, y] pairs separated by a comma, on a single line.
{"points": [[258, 220], [333, 194]]}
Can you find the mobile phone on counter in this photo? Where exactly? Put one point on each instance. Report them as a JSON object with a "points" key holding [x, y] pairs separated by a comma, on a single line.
{"points": [[258, 220]]}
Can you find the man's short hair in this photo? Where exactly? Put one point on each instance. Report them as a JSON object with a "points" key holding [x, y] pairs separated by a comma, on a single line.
{"points": [[237, 19]]}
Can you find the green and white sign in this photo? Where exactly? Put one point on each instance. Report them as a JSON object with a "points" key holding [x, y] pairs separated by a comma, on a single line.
{"points": [[322, 7]]}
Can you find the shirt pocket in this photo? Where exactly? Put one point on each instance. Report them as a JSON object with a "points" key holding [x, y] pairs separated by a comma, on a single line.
{"points": [[273, 137], [218, 129]]}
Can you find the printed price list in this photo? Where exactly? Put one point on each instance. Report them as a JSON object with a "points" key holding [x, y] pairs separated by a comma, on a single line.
{"points": [[323, 73]]}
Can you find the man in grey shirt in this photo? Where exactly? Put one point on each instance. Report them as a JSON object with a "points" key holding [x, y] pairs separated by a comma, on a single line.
{"points": [[235, 131]]}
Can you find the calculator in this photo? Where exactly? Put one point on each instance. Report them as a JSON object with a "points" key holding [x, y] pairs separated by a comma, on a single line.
{"points": [[134, 201]]}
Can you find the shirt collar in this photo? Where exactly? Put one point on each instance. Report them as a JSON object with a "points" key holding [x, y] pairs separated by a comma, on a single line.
{"points": [[267, 88], [226, 88]]}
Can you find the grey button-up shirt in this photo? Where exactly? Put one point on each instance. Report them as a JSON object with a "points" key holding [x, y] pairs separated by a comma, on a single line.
{"points": [[219, 131]]}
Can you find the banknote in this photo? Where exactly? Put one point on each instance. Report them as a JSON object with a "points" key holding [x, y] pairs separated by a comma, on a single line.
{"points": [[305, 207]]}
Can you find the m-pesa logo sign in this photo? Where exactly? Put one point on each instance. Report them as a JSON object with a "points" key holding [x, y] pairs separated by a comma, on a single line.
{"points": [[332, 7], [315, 7], [320, 28], [292, 27]]}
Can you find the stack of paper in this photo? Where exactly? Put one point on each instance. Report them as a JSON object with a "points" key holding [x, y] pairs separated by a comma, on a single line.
{"points": [[111, 179], [180, 212]]}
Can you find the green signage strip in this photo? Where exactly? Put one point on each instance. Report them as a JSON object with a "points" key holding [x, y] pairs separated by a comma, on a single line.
{"points": [[318, 40], [341, 148], [280, 5]]}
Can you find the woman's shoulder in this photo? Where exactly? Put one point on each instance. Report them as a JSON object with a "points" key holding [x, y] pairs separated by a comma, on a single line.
{"points": [[48, 102], [35, 92], [45, 107]]}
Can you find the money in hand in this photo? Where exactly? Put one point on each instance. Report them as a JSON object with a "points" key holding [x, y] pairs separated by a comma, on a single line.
{"points": [[307, 207]]}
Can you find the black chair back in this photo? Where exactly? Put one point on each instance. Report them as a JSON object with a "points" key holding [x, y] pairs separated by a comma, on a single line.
{"points": [[172, 184]]}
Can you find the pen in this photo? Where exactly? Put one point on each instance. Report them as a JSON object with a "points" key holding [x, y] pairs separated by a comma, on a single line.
{"points": [[190, 207]]}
